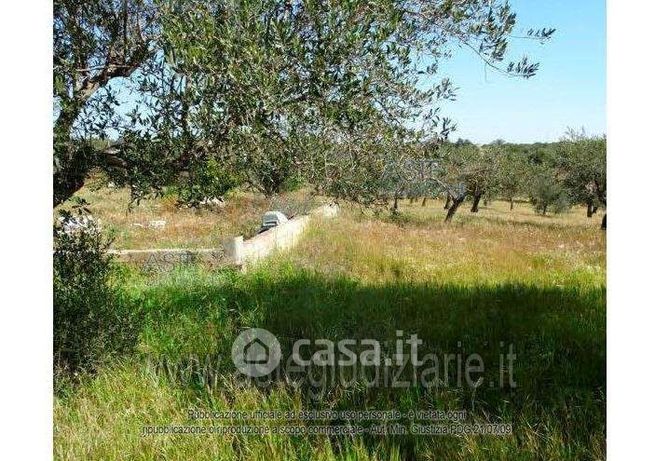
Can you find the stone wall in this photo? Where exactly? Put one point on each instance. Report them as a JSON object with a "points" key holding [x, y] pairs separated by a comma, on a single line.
{"points": [[169, 257], [234, 251]]}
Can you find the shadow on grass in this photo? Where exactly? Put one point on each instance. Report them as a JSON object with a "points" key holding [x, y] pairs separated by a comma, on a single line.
{"points": [[557, 334]]}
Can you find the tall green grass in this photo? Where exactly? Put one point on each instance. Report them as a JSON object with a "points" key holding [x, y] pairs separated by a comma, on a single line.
{"points": [[191, 317]]}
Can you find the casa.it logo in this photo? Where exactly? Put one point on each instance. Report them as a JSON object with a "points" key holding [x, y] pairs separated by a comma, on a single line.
{"points": [[256, 352]]}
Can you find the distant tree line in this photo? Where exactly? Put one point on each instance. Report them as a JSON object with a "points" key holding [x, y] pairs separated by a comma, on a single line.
{"points": [[552, 176]]}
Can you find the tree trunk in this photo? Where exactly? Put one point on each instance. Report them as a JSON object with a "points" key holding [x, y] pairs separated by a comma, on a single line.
{"points": [[476, 203], [73, 163], [71, 166], [590, 209], [448, 200], [425, 201], [66, 182], [543, 212], [511, 203], [456, 202], [603, 224], [395, 204]]}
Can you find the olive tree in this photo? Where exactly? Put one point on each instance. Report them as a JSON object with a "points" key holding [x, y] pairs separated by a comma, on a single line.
{"points": [[456, 165], [248, 83], [582, 160], [512, 174], [546, 190], [482, 175], [94, 43]]}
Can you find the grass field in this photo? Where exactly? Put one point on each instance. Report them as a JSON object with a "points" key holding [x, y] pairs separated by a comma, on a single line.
{"points": [[483, 282], [184, 227]]}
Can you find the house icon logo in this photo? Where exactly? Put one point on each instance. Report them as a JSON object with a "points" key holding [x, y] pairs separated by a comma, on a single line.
{"points": [[256, 352]]}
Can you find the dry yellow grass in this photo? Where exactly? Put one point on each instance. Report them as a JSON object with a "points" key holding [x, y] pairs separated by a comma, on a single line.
{"points": [[494, 245], [184, 227]]}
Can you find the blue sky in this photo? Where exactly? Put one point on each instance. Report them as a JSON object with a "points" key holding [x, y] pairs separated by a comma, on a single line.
{"points": [[568, 90]]}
